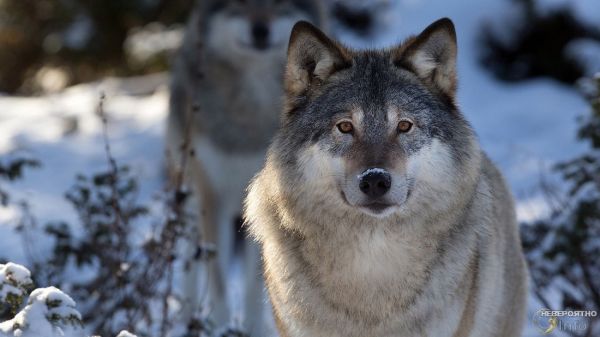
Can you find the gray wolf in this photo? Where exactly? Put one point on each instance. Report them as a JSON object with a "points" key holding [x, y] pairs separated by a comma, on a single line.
{"points": [[231, 67], [377, 212]]}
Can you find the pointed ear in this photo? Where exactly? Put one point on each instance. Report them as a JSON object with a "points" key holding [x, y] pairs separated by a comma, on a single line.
{"points": [[432, 56], [312, 58]]}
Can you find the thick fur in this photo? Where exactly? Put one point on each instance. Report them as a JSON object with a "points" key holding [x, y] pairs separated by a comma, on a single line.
{"points": [[227, 88], [442, 259]]}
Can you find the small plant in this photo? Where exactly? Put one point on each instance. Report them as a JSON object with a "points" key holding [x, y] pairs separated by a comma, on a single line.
{"points": [[107, 211]]}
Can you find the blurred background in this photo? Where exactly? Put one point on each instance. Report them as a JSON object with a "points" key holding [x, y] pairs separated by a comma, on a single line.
{"points": [[527, 83]]}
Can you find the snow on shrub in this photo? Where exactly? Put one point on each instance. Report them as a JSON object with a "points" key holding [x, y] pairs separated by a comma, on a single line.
{"points": [[49, 312], [14, 282]]}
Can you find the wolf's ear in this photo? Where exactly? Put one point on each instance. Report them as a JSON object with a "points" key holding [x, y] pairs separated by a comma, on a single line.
{"points": [[312, 58], [432, 56]]}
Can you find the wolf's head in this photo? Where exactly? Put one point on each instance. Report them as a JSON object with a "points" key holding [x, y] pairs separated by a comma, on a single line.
{"points": [[254, 27], [376, 131]]}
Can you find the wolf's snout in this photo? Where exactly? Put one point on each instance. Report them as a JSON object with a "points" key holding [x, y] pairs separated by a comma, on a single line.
{"points": [[375, 182], [260, 35]]}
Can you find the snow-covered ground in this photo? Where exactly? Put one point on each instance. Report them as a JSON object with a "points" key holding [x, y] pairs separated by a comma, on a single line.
{"points": [[525, 127]]}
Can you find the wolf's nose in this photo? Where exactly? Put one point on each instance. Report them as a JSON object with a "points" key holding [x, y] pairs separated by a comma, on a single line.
{"points": [[375, 182], [260, 34]]}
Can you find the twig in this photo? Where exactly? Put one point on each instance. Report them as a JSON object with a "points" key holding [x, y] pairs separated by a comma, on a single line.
{"points": [[114, 171]]}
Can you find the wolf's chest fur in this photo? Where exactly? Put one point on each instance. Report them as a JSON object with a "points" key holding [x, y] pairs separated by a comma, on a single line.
{"points": [[360, 269], [360, 281]]}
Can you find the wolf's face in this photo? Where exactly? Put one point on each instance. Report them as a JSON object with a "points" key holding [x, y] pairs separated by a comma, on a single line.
{"points": [[375, 130], [254, 27]]}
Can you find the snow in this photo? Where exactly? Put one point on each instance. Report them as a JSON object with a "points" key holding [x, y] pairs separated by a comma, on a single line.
{"points": [[125, 333], [524, 127], [14, 279], [44, 304], [15, 273], [373, 170]]}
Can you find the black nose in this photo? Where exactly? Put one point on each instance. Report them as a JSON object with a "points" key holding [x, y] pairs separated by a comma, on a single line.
{"points": [[260, 34], [375, 182]]}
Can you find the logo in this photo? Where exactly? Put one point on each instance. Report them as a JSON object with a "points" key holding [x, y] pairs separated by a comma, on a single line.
{"points": [[547, 320]]}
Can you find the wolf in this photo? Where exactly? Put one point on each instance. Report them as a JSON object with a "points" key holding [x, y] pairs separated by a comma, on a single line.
{"points": [[377, 212], [226, 94]]}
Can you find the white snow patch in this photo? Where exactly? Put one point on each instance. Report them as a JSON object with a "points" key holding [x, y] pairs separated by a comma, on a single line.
{"points": [[533, 209], [144, 43], [125, 333], [15, 272], [374, 170]]}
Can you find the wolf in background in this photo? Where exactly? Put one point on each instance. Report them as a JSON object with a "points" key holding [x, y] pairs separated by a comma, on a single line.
{"points": [[231, 66], [377, 211]]}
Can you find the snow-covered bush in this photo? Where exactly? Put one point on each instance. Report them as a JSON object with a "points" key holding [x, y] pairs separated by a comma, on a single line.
{"points": [[49, 312], [563, 250]]}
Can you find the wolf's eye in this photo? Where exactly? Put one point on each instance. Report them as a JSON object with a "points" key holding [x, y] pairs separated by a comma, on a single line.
{"points": [[345, 127], [404, 126]]}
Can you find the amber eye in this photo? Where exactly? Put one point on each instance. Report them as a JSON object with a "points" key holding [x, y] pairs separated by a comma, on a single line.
{"points": [[345, 127], [404, 126]]}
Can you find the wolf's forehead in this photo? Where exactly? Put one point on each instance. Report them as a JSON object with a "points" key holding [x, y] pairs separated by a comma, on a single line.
{"points": [[378, 86], [382, 98]]}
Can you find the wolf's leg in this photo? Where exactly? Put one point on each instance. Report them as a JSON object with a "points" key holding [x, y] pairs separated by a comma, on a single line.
{"points": [[225, 232], [211, 272], [255, 300], [191, 266], [203, 284]]}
